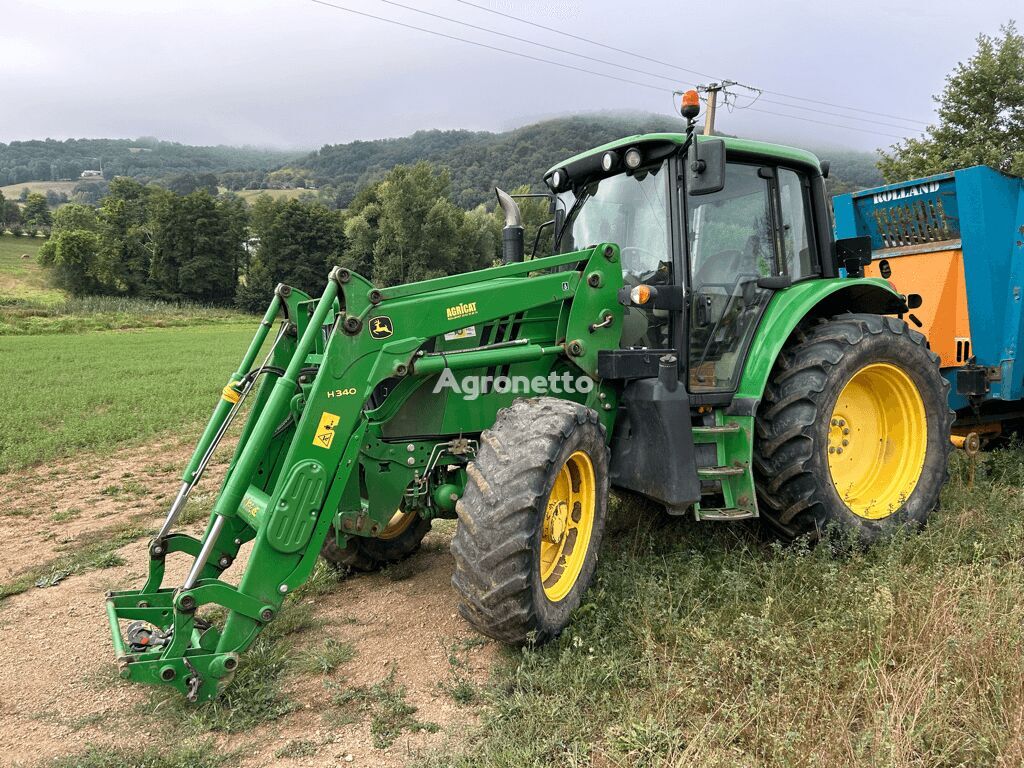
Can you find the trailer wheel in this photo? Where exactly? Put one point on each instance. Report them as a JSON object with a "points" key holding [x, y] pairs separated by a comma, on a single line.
{"points": [[531, 520], [853, 432], [399, 539]]}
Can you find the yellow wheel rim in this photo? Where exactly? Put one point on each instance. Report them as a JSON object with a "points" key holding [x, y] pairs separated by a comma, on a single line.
{"points": [[397, 525], [877, 440], [567, 526]]}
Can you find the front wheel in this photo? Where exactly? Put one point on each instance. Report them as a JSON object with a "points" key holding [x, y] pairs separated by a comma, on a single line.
{"points": [[531, 520], [853, 432], [399, 539]]}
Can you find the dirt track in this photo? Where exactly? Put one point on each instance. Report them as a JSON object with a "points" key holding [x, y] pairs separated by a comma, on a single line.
{"points": [[60, 692]]}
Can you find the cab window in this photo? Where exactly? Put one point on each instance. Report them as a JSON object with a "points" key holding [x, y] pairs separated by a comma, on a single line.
{"points": [[797, 245], [731, 245]]}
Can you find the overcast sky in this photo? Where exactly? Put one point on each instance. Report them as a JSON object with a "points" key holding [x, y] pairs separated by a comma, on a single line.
{"points": [[293, 73]]}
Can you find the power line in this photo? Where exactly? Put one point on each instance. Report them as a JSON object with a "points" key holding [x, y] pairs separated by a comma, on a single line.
{"points": [[840, 106], [666, 63], [489, 47], [832, 114], [673, 80], [822, 122], [704, 75], [543, 60]]}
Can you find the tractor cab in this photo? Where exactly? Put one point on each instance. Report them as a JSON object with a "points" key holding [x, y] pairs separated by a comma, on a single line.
{"points": [[701, 258]]}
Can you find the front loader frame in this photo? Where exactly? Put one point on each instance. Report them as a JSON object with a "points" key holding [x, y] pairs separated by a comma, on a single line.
{"points": [[314, 423]]}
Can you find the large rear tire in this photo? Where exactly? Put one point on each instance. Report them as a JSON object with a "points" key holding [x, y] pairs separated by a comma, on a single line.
{"points": [[853, 431], [399, 539], [531, 520]]}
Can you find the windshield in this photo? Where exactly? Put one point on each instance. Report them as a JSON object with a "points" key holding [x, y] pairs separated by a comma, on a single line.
{"points": [[630, 211]]}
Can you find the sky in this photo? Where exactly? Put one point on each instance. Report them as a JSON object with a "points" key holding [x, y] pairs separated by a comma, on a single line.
{"points": [[298, 74]]}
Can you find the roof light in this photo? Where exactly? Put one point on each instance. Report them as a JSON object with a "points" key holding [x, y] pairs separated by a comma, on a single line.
{"points": [[640, 294], [690, 106], [633, 158], [558, 179], [609, 160]]}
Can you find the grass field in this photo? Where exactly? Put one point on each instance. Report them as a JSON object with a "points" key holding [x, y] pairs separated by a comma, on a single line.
{"points": [[708, 645], [250, 195], [13, 191], [23, 279], [29, 305], [60, 395]]}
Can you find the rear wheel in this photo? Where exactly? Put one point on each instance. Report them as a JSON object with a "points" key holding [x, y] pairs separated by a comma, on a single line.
{"points": [[531, 520], [853, 432], [400, 538]]}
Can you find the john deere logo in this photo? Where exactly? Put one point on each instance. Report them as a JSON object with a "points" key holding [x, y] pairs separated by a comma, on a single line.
{"points": [[381, 327]]}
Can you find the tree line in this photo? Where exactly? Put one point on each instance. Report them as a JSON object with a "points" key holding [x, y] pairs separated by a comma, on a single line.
{"points": [[143, 240]]}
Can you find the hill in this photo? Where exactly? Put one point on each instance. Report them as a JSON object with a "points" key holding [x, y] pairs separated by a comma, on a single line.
{"points": [[145, 159], [479, 161]]}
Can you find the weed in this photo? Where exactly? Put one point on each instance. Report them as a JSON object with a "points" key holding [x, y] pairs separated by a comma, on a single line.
{"points": [[192, 755], [90, 551], [390, 713], [325, 658], [65, 515], [297, 748]]}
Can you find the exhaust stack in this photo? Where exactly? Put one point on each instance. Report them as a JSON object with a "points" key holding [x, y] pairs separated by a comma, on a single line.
{"points": [[512, 235]]}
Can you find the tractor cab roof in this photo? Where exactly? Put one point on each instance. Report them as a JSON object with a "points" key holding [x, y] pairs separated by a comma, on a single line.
{"points": [[657, 146]]}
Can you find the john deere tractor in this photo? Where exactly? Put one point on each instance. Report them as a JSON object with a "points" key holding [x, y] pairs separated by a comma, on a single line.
{"points": [[697, 336]]}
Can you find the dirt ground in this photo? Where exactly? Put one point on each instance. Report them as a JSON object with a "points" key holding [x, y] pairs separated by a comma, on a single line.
{"points": [[59, 692]]}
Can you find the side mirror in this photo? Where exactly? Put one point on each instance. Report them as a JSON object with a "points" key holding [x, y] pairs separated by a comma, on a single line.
{"points": [[853, 254], [705, 166]]}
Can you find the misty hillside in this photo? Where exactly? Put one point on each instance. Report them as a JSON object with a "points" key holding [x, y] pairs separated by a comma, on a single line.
{"points": [[146, 159], [479, 161]]}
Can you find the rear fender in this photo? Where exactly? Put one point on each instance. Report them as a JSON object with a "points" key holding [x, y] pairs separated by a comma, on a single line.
{"points": [[789, 307]]}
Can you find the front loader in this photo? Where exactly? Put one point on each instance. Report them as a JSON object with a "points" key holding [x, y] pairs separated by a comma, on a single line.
{"points": [[697, 337]]}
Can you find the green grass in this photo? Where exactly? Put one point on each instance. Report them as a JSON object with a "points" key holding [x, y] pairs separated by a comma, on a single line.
{"points": [[30, 305], [190, 755], [65, 316], [709, 645], [24, 280], [87, 552], [385, 703], [60, 396]]}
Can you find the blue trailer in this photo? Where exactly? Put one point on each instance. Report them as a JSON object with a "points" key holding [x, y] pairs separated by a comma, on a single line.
{"points": [[954, 245]]}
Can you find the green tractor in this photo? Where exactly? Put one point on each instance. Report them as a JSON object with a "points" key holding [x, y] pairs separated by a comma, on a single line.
{"points": [[697, 337]]}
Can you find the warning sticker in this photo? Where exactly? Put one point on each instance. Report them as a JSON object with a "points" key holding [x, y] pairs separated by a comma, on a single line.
{"points": [[325, 430], [462, 333]]}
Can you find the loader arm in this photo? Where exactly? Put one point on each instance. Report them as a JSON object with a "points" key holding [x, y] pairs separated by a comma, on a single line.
{"points": [[316, 457]]}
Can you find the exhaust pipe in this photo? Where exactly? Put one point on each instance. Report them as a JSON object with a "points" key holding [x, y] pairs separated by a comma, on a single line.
{"points": [[512, 250]]}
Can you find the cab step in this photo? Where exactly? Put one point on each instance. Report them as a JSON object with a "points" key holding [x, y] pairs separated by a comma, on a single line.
{"points": [[722, 429], [713, 473], [722, 514]]}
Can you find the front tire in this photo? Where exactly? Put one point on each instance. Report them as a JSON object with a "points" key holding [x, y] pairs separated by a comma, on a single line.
{"points": [[400, 538], [531, 520], [853, 432]]}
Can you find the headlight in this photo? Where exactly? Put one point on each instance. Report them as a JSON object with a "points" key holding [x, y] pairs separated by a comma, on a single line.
{"points": [[633, 158], [558, 179], [608, 161]]}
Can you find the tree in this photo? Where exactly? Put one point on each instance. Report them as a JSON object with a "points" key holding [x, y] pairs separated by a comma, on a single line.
{"points": [[73, 256], [981, 116], [197, 245], [299, 242], [125, 235], [36, 212], [407, 228]]}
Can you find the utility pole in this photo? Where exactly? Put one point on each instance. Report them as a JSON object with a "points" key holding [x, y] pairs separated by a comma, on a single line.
{"points": [[712, 91]]}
